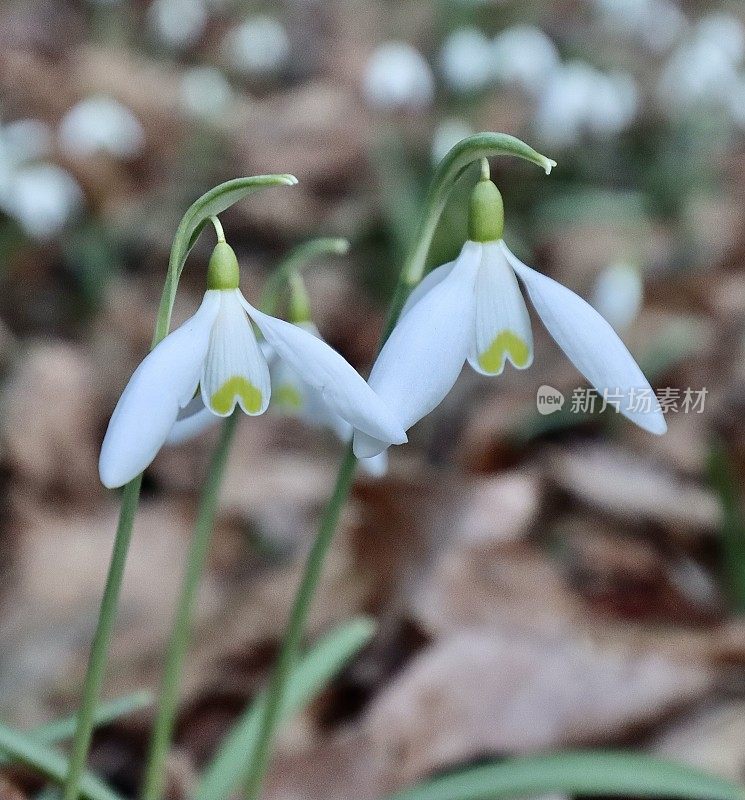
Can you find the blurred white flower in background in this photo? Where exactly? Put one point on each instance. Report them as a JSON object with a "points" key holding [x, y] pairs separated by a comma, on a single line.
{"points": [[178, 23], [579, 99], [656, 24], [258, 47], [705, 67], [43, 198], [466, 60], [524, 56], [205, 92], [447, 134], [98, 125], [27, 140], [398, 77], [618, 294]]}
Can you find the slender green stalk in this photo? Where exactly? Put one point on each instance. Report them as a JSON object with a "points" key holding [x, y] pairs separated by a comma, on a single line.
{"points": [[479, 146], [288, 653], [101, 640], [177, 646]]}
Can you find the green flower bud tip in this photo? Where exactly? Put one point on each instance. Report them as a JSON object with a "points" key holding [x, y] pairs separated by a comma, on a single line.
{"points": [[486, 213], [222, 272]]}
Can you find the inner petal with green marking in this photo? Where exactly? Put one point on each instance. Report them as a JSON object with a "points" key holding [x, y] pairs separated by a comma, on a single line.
{"points": [[236, 389], [506, 344], [288, 396]]}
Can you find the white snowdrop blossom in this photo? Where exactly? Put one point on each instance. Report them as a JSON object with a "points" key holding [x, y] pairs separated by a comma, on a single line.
{"points": [[618, 294], [655, 24], [579, 99], [101, 124], [43, 198], [473, 309], [398, 78], [524, 56], [258, 47], [205, 92], [178, 23], [447, 134], [27, 140], [212, 363], [465, 60]]}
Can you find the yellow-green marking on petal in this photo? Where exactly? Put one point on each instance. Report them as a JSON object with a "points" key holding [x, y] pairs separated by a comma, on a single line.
{"points": [[235, 389], [288, 396], [506, 344]]}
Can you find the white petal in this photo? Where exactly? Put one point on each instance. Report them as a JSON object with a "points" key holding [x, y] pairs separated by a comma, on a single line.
{"points": [[429, 281], [235, 369], [592, 346], [341, 387], [164, 382], [376, 466], [503, 328], [193, 419], [425, 353]]}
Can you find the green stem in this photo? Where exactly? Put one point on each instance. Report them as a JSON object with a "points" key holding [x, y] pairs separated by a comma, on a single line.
{"points": [[179, 641], [288, 653], [479, 146], [101, 640]]}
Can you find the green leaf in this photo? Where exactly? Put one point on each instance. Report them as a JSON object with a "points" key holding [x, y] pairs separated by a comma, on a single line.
{"points": [[22, 748], [312, 673], [599, 774], [208, 205], [61, 729]]}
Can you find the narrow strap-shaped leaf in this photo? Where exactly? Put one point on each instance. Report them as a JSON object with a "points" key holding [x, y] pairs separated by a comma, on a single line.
{"points": [[208, 205], [64, 728], [598, 774], [312, 673], [20, 747]]}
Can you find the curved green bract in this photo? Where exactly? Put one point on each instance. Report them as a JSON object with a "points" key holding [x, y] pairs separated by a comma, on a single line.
{"points": [[208, 205], [23, 749], [293, 262], [458, 159], [597, 774]]}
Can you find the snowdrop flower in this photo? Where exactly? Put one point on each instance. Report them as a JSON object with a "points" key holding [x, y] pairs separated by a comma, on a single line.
{"points": [[178, 23], [205, 92], [101, 124], [27, 140], [259, 46], [524, 56], [398, 78], [473, 310], [617, 294], [447, 134], [466, 59], [213, 362], [43, 198], [656, 24]]}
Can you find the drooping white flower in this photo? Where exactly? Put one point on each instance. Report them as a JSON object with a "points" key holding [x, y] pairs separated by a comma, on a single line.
{"points": [[258, 47], [523, 56], [466, 60], [205, 92], [398, 78], [101, 124], [216, 353], [473, 309], [617, 294], [178, 23], [656, 24]]}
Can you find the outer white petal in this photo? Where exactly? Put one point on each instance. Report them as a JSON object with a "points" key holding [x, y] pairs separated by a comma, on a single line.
{"points": [[164, 382], [429, 281], [193, 419], [235, 369], [503, 328], [425, 353], [591, 345], [376, 466], [343, 390]]}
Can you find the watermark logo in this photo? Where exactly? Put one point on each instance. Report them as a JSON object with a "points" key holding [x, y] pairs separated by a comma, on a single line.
{"points": [[548, 400]]}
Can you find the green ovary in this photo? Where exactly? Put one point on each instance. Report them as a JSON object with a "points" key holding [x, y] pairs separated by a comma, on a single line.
{"points": [[235, 388], [287, 396], [505, 343]]}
